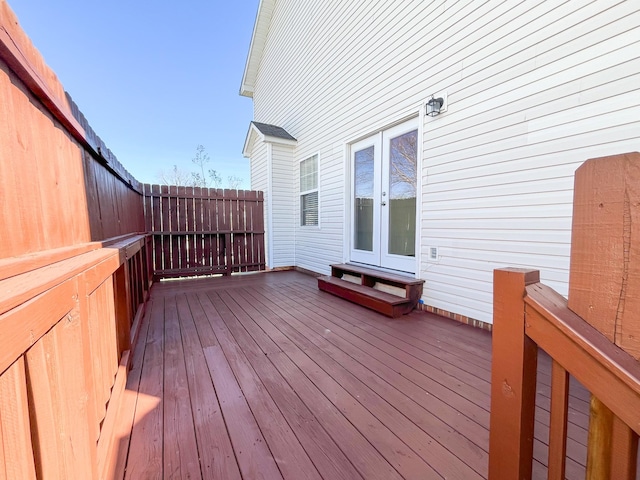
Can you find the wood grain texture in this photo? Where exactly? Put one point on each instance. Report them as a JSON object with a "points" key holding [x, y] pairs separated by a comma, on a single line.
{"points": [[16, 451], [435, 439], [513, 378], [126, 413], [600, 440], [146, 441], [605, 250], [107, 447], [22, 326], [624, 452], [456, 354], [604, 369], [123, 290], [328, 459], [64, 323], [63, 447], [217, 459], [47, 152], [180, 448], [355, 392]]}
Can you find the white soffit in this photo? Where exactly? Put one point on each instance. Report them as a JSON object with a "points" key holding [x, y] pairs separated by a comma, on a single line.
{"points": [[258, 41]]}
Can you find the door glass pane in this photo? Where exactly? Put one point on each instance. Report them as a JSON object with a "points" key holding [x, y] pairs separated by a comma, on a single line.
{"points": [[363, 200], [403, 178]]}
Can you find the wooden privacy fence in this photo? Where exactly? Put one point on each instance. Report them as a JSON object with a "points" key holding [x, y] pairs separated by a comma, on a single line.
{"points": [[201, 231], [594, 335], [74, 277]]}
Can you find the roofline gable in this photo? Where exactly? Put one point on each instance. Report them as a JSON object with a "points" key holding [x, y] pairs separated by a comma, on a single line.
{"points": [[256, 48], [255, 131]]}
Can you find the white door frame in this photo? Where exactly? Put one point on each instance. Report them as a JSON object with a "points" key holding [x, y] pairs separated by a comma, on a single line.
{"points": [[388, 260], [379, 140]]}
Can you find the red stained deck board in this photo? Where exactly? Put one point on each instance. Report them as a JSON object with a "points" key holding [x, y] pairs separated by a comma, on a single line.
{"points": [[253, 455], [430, 435], [326, 456], [145, 448], [431, 380], [291, 458], [371, 328], [180, 449], [331, 309], [405, 461], [357, 448], [332, 389], [383, 401], [216, 456], [460, 364], [441, 369]]}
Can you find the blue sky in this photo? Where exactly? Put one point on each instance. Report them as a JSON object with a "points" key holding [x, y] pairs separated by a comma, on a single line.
{"points": [[154, 78]]}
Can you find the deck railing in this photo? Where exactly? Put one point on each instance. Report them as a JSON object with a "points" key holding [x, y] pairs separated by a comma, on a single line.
{"points": [[199, 231], [591, 336], [67, 323]]}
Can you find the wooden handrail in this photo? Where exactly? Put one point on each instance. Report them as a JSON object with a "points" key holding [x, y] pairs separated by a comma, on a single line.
{"points": [[529, 315], [604, 369]]}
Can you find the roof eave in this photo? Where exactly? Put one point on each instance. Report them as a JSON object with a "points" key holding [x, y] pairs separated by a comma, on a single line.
{"points": [[255, 131], [246, 90], [258, 40]]}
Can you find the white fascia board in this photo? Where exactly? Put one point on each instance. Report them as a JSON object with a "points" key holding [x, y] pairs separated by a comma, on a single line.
{"points": [[246, 90], [258, 40], [248, 141]]}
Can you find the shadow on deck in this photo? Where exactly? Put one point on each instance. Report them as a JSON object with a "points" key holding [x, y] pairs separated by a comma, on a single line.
{"points": [[264, 376]]}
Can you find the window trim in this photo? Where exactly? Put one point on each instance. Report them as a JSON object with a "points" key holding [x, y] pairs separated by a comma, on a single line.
{"points": [[301, 193]]}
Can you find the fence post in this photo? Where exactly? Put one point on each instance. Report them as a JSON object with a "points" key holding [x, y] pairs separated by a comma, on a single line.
{"points": [[605, 244], [513, 378], [604, 280]]}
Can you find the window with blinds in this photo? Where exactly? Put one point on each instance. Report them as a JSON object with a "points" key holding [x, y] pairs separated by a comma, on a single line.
{"points": [[309, 191]]}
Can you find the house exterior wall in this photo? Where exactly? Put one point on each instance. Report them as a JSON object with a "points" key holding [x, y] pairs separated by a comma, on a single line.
{"points": [[533, 90], [284, 218], [259, 171], [272, 172]]}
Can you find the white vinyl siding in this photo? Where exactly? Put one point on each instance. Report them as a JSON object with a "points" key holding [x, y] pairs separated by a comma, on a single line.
{"points": [[260, 181], [259, 172], [534, 89], [309, 195], [284, 215]]}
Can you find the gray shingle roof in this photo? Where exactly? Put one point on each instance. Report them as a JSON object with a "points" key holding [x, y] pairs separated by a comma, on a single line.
{"points": [[273, 131]]}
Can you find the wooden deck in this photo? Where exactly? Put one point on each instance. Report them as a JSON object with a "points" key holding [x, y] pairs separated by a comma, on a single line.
{"points": [[264, 376]]}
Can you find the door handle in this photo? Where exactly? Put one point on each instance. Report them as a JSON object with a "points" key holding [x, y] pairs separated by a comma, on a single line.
{"points": [[383, 203]]}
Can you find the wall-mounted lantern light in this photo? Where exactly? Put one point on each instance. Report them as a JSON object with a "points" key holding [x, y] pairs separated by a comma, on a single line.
{"points": [[434, 106]]}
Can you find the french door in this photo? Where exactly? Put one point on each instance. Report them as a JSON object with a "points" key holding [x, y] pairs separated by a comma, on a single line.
{"points": [[384, 177]]}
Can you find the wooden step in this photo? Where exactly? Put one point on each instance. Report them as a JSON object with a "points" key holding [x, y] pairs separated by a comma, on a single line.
{"points": [[385, 303], [367, 291], [390, 278]]}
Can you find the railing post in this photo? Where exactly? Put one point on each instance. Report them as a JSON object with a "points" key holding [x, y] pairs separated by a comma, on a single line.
{"points": [[600, 440], [513, 378]]}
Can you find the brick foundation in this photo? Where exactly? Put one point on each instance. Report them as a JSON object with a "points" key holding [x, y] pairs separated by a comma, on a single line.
{"points": [[457, 317]]}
